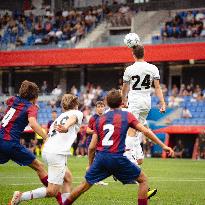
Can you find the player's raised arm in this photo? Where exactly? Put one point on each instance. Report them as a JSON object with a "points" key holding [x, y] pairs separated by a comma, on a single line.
{"points": [[125, 86], [148, 133], [125, 89], [36, 127], [92, 148], [159, 94], [134, 123], [70, 122]]}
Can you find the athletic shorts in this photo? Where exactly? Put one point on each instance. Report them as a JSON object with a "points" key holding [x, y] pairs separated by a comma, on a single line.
{"points": [[134, 150], [107, 164], [140, 108], [16, 152], [57, 166]]}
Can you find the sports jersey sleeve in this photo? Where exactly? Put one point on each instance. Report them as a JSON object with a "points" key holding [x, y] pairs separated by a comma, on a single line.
{"points": [[79, 116], [132, 121], [91, 123], [10, 101], [32, 111], [126, 77], [156, 74]]}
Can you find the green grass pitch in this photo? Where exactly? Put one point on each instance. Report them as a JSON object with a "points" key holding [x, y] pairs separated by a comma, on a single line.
{"points": [[179, 182]]}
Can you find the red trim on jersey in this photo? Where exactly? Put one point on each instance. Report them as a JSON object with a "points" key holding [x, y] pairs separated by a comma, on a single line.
{"points": [[32, 111], [132, 121], [10, 125], [91, 123], [100, 132], [117, 122]]}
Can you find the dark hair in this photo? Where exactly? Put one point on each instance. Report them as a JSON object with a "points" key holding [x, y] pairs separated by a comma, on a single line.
{"points": [[99, 103], [114, 98], [54, 111], [69, 101], [28, 90], [138, 51]]}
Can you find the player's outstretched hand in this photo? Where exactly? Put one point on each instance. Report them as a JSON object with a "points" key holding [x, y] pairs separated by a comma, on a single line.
{"points": [[60, 128], [169, 150], [163, 107]]}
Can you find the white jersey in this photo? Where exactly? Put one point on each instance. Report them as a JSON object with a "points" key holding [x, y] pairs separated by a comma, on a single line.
{"points": [[60, 143], [140, 76]]}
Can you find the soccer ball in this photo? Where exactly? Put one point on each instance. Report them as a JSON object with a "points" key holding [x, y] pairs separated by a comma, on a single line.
{"points": [[131, 40]]}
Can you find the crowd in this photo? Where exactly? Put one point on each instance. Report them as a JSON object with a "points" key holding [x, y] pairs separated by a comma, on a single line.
{"points": [[176, 95], [23, 29], [20, 29], [185, 24]]}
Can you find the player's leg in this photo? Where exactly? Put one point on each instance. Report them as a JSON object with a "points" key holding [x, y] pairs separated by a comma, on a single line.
{"points": [[67, 185], [96, 173], [83, 187], [38, 166], [143, 188]]}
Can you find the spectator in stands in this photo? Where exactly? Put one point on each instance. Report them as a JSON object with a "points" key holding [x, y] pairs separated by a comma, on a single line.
{"points": [[201, 148], [178, 149], [53, 118], [44, 88], [174, 101], [57, 91], [186, 113], [74, 90], [2, 110]]}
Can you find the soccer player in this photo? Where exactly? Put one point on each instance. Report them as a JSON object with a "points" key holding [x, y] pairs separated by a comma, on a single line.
{"points": [[62, 134], [137, 82], [21, 111], [100, 109], [109, 141]]}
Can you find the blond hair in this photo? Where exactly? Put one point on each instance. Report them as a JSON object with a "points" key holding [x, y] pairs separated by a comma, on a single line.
{"points": [[69, 101]]}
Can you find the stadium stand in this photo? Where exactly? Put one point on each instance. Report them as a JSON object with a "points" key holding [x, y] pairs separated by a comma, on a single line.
{"points": [[183, 25]]}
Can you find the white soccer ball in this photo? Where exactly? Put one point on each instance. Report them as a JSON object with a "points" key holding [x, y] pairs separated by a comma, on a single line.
{"points": [[131, 40]]}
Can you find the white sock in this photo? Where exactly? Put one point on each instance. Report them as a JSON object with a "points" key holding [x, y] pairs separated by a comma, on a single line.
{"points": [[34, 194], [64, 196]]}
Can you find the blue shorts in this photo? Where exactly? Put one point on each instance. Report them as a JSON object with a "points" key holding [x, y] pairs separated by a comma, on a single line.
{"points": [[88, 141], [105, 165], [16, 152]]}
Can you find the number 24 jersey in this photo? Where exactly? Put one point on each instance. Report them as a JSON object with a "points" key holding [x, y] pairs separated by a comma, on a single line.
{"points": [[60, 143], [140, 76]]}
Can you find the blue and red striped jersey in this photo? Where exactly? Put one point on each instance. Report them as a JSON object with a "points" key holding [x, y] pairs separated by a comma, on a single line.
{"points": [[92, 120], [16, 118], [111, 129]]}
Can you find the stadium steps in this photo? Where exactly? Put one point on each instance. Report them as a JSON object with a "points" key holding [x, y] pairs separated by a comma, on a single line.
{"points": [[176, 114], [92, 37], [147, 24]]}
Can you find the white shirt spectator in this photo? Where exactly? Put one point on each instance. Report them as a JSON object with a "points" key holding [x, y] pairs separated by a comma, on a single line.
{"points": [[186, 113], [57, 91], [200, 16]]}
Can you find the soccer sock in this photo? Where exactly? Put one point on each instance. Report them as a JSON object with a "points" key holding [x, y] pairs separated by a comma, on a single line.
{"points": [[45, 181], [142, 202], [68, 202], [59, 199], [34, 194], [64, 196]]}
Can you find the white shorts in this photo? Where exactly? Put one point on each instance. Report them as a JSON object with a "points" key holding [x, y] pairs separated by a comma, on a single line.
{"points": [[140, 108], [57, 166], [133, 149]]}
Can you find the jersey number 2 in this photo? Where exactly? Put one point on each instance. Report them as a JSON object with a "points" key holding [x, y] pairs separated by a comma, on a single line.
{"points": [[107, 141], [145, 83], [8, 117]]}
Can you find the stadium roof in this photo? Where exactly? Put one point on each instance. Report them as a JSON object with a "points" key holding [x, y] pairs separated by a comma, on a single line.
{"points": [[107, 55]]}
